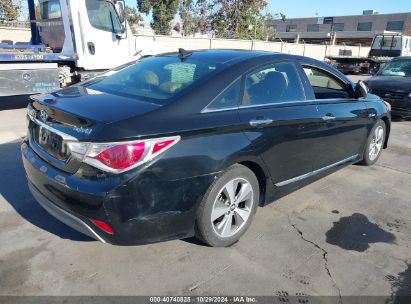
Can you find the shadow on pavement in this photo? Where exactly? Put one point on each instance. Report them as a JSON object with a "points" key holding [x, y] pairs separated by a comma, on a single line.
{"points": [[14, 189]]}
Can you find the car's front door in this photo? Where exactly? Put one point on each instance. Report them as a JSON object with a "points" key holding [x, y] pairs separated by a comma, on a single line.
{"points": [[344, 118], [281, 124]]}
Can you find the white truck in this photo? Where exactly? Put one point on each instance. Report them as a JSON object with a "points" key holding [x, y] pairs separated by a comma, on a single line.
{"points": [[71, 40], [384, 48]]}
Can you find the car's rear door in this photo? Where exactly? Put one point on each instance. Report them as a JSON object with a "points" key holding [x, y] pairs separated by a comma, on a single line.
{"points": [[344, 117], [281, 124]]}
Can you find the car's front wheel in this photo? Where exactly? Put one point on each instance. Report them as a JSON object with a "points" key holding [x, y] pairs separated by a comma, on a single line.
{"points": [[375, 144], [228, 207]]}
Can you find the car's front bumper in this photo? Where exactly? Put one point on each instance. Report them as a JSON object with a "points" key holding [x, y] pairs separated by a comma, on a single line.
{"points": [[401, 112]]}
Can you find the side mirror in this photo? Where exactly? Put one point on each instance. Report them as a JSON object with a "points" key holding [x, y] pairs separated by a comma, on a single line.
{"points": [[361, 90], [121, 11], [123, 33]]}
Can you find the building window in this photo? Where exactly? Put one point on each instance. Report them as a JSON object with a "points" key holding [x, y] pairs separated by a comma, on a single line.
{"points": [[364, 26], [291, 28], [337, 27], [395, 26], [313, 28]]}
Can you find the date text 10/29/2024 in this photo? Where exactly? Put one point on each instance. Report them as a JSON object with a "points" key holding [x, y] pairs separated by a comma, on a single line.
{"points": [[204, 299]]}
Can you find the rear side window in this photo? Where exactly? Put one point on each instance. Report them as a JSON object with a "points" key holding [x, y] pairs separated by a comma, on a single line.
{"points": [[276, 83], [103, 16], [324, 85], [155, 79], [227, 99]]}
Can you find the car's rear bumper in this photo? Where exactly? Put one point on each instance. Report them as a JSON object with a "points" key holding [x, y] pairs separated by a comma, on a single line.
{"points": [[346, 70], [140, 209], [67, 218]]}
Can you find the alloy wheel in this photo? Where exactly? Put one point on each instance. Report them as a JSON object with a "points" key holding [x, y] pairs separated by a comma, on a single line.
{"points": [[232, 207], [376, 143]]}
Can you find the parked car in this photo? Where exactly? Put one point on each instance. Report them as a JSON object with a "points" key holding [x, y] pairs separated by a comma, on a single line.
{"points": [[191, 143], [393, 84]]}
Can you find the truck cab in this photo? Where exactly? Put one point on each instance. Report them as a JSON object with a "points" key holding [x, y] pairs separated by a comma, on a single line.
{"points": [[390, 45], [71, 40], [384, 47]]}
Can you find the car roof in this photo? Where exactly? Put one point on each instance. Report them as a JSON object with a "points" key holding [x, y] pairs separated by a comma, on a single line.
{"points": [[230, 57], [222, 56]]}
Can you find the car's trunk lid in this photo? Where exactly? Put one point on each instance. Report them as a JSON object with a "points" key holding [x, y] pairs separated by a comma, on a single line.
{"points": [[75, 114]]}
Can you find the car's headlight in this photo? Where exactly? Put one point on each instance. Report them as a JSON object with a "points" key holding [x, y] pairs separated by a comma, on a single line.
{"points": [[409, 95]]}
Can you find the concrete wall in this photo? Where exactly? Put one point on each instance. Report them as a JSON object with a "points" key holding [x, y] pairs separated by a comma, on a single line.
{"points": [[171, 44], [14, 34]]}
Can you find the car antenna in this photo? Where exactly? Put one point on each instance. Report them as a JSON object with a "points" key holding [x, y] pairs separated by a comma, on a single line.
{"points": [[183, 54]]}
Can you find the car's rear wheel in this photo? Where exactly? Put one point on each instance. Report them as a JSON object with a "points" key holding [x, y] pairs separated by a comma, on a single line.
{"points": [[375, 144], [228, 207]]}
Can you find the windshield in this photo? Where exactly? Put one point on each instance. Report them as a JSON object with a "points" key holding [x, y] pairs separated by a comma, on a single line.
{"points": [[155, 79], [396, 68]]}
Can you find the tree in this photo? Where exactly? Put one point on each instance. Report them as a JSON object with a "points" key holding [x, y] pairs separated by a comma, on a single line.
{"points": [[239, 19], [188, 16], [269, 21], [163, 12], [195, 16], [132, 16], [177, 27], [9, 10]]}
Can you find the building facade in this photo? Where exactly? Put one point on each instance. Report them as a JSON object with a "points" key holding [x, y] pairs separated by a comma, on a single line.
{"points": [[350, 30]]}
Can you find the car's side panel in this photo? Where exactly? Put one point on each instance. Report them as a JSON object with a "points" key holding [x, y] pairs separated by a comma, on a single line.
{"points": [[344, 136], [288, 144], [344, 121], [376, 109]]}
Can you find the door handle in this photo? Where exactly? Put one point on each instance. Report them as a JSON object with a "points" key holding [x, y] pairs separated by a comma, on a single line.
{"points": [[259, 122], [91, 48], [328, 117]]}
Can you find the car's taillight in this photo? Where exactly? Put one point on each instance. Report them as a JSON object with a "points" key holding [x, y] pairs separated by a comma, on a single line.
{"points": [[118, 157], [121, 156]]}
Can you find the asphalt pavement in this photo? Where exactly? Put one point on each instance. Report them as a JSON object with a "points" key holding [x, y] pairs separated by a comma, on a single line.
{"points": [[346, 234]]}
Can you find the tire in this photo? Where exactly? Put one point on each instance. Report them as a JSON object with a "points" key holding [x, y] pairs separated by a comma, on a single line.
{"points": [[375, 144], [224, 216]]}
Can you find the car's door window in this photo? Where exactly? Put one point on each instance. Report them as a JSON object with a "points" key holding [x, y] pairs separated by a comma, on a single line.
{"points": [[276, 83], [326, 86], [103, 16], [228, 99]]}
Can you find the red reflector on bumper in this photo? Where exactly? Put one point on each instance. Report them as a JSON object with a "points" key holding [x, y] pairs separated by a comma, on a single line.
{"points": [[103, 226]]}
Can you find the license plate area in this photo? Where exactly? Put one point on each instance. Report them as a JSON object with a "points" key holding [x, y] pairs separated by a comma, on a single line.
{"points": [[50, 142]]}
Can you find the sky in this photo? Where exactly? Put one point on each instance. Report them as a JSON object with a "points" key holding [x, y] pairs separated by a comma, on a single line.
{"points": [[327, 8], [330, 8]]}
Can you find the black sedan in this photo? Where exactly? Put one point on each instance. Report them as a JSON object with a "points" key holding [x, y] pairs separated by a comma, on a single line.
{"points": [[393, 84], [191, 143]]}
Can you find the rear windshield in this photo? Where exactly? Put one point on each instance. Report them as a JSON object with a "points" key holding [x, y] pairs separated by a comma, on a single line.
{"points": [[155, 79]]}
